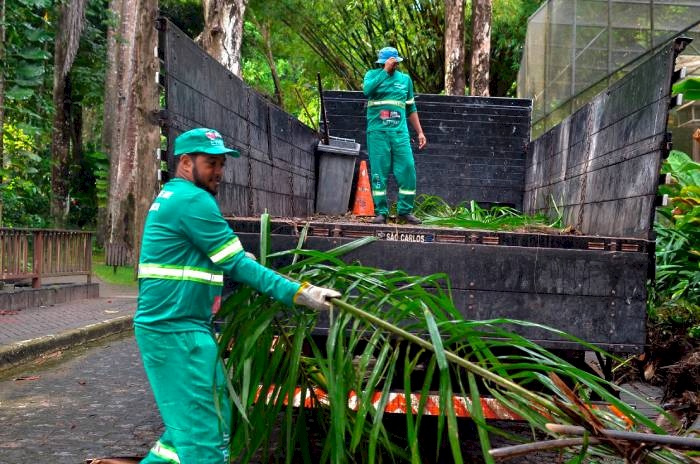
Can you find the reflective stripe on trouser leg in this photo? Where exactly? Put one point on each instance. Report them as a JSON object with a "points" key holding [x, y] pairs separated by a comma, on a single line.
{"points": [[379, 150], [184, 370], [162, 452], [404, 171]]}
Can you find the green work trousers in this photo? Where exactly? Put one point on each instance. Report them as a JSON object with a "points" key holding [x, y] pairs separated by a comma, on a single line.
{"points": [[387, 149], [188, 382]]}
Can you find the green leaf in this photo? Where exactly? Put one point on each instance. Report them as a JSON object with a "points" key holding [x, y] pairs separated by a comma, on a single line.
{"points": [[36, 4], [30, 71], [19, 93], [34, 53], [435, 338], [264, 238]]}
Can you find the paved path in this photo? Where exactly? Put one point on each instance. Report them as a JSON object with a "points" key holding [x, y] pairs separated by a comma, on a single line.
{"points": [[31, 333], [16, 326], [96, 403]]}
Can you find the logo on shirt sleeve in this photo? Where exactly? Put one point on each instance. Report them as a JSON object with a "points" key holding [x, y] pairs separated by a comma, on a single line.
{"points": [[216, 306]]}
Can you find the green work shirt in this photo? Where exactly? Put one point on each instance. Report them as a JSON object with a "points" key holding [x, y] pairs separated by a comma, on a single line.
{"points": [[187, 248], [390, 100]]}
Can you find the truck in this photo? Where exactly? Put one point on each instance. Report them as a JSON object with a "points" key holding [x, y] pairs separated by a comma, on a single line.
{"points": [[600, 166]]}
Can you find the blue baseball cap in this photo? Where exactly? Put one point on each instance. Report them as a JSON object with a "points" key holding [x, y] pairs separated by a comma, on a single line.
{"points": [[202, 140], [386, 53]]}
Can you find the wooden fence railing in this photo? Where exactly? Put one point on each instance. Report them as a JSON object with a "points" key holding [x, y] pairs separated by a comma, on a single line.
{"points": [[38, 253]]}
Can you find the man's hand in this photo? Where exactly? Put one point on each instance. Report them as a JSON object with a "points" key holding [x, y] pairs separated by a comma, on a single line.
{"points": [[390, 65], [251, 255], [315, 297], [422, 141]]}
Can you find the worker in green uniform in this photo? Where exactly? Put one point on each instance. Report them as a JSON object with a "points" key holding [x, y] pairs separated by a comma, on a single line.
{"points": [[390, 103], [187, 248]]}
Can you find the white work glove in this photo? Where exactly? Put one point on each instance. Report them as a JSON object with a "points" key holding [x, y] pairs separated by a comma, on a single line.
{"points": [[251, 255], [315, 297]]}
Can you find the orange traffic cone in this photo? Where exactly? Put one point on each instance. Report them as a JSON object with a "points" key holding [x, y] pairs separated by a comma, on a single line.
{"points": [[364, 206]]}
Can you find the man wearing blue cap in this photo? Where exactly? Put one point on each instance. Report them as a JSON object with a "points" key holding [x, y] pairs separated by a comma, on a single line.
{"points": [[390, 103], [187, 248]]}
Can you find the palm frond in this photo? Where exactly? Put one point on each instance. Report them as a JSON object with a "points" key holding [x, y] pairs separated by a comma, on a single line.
{"points": [[392, 332]]}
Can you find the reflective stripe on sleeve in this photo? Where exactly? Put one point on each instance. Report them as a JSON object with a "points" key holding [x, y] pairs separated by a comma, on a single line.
{"points": [[406, 192], [379, 193], [398, 103], [226, 251], [159, 271], [165, 452], [411, 101]]}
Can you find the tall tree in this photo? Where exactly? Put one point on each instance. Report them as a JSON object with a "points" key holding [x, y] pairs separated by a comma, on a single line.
{"points": [[509, 25], [2, 96], [223, 31], [71, 19], [347, 36], [130, 136], [455, 78], [481, 47], [264, 26]]}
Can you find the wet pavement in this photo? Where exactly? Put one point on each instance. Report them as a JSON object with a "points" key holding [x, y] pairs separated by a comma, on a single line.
{"points": [[94, 402]]}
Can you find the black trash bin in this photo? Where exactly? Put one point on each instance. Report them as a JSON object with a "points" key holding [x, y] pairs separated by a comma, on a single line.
{"points": [[336, 167]]}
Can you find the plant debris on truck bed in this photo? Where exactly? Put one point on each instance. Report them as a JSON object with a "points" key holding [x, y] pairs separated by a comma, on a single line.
{"points": [[436, 212], [433, 210]]}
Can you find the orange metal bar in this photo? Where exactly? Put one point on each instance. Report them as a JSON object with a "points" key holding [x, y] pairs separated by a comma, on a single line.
{"points": [[397, 403]]}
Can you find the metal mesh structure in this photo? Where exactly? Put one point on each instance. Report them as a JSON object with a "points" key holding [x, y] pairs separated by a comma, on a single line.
{"points": [[576, 48]]}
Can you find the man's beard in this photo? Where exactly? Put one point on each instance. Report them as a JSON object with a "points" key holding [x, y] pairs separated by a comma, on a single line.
{"points": [[198, 182]]}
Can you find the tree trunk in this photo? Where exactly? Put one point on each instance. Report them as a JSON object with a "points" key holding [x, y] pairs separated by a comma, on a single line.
{"points": [[2, 98], [481, 47], [267, 43], [223, 32], [71, 20], [455, 79], [147, 99], [130, 138]]}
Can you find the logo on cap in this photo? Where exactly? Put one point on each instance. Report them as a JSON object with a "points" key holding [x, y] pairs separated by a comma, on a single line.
{"points": [[213, 135]]}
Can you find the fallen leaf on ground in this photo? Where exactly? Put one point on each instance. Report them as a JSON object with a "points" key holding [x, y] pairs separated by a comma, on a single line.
{"points": [[28, 377]]}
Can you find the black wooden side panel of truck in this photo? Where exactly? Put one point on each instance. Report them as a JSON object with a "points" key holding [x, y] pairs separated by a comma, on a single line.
{"points": [[601, 164], [475, 150], [596, 295], [591, 286], [276, 170]]}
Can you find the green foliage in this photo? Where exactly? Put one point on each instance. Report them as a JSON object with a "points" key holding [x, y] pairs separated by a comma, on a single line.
{"points": [[681, 314], [28, 64], [100, 168], [26, 181], [389, 332], [507, 40], [188, 15], [347, 35], [28, 70], [297, 65], [678, 232], [114, 275], [89, 188], [674, 300], [90, 65], [434, 210]]}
